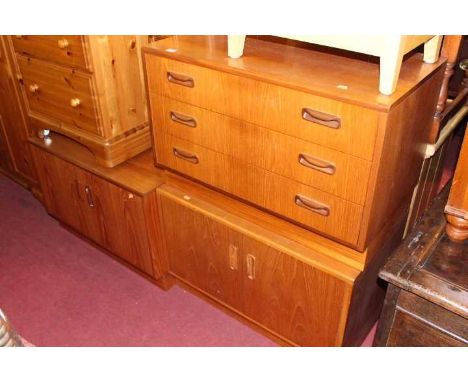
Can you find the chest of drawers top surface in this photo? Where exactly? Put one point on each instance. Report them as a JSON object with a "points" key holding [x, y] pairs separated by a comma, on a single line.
{"points": [[333, 76]]}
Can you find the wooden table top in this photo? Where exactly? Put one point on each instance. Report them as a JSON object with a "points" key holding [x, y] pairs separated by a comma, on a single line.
{"points": [[137, 175], [305, 68]]}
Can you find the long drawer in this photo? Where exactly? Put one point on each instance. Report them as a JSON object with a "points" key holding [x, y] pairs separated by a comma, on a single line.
{"points": [[312, 208], [60, 93], [328, 170], [343, 127], [65, 50]]}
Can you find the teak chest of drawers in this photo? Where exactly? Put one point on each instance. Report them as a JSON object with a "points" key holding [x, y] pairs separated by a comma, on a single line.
{"points": [[89, 88], [302, 134]]}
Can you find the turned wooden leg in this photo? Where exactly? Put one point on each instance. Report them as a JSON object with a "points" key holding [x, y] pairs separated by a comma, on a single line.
{"points": [[432, 49], [390, 64], [236, 45], [457, 228]]}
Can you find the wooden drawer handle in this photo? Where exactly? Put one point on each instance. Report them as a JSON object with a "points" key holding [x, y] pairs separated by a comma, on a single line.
{"points": [[75, 102], [89, 196], [185, 155], [233, 257], [312, 205], [183, 119], [315, 116], [34, 88], [250, 259], [316, 164], [180, 79], [63, 43]]}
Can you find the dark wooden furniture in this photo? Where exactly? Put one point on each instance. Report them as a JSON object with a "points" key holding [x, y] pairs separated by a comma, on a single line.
{"points": [[427, 297]]}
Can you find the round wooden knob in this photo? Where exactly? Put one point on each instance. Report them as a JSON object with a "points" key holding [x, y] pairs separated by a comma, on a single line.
{"points": [[75, 102], [63, 43], [33, 88], [19, 36]]}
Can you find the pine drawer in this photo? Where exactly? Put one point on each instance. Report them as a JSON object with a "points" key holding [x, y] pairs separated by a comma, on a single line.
{"points": [[303, 204], [60, 93], [332, 171], [64, 50], [344, 127]]}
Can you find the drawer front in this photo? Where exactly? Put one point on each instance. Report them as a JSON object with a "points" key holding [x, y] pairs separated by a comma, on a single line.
{"points": [[328, 170], [60, 93], [329, 123], [65, 50], [312, 208], [410, 331]]}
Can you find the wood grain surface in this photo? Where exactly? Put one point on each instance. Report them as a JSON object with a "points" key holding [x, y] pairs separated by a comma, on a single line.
{"points": [[287, 296], [66, 50], [328, 170], [261, 103]]}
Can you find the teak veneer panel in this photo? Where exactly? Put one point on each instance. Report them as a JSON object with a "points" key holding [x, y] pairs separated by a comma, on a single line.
{"points": [[261, 103], [304, 292], [400, 152], [266, 189], [298, 68], [109, 215], [262, 147], [288, 297]]}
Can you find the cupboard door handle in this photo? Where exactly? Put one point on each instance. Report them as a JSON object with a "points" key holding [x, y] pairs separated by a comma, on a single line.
{"points": [[185, 155], [316, 163], [250, 259], [89, 196], [183, 119], [321, 118], [233, 257], [180, 79], [312, 205]]}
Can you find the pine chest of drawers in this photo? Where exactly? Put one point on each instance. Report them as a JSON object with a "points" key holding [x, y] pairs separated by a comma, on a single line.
{"points": [[89, 88], [302, 134]]}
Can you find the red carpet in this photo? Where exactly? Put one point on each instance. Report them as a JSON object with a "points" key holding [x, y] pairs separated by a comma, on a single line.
{"points": [[58, 290]]}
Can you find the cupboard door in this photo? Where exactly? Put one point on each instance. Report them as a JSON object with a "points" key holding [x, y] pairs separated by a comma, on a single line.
{"points": [[60, 184], [292, 298], [203, 252], [115, 219]]}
